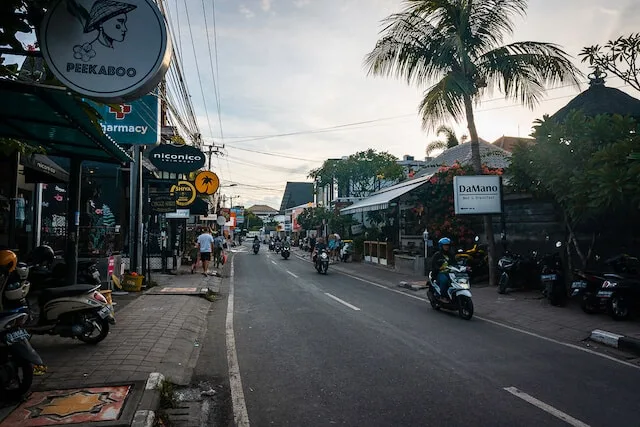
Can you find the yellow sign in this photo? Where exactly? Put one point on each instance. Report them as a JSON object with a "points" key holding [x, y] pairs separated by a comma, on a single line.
{"points": [[207, 182], [185, 193]]}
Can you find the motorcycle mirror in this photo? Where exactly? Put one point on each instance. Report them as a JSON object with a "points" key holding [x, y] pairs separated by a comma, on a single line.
{"points": [[558, 244], [477, 239]]}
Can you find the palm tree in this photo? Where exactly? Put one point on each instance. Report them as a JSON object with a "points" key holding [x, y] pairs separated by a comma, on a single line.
{"points": [[456, 47], [450, 141]]}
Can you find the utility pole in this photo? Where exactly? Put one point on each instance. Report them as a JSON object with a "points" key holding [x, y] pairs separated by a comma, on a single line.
{"points": [[213, 149]]}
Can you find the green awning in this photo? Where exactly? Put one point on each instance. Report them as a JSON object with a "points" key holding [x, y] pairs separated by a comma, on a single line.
{"points": [[53, 118]]}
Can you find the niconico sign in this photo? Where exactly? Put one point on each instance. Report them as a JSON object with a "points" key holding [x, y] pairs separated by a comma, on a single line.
{"points": [[481, 194], [110, 50], [177, 158]]}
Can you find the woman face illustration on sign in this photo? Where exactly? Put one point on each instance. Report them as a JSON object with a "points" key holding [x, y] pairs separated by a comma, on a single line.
{"points": [[108, 18]]}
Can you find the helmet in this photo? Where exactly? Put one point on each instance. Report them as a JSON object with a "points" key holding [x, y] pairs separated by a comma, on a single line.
{"points": [[23, 270], [444, 241], [17, 290], [42, 255], [8, 260]]}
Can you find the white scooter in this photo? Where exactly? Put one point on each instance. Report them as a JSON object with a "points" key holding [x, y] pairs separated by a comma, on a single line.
{"points": [[459, 295], [78, 311]]}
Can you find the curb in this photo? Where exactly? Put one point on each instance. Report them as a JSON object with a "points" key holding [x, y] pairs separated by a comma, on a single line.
{"points": [[412, 286], [146, 413], [621, 342]]}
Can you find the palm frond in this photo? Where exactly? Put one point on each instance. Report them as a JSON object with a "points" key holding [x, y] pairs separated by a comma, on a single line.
{"points": [[522, 70], [491, 20], [411, 48], [435, 146], [442, 101], [451, 139]]}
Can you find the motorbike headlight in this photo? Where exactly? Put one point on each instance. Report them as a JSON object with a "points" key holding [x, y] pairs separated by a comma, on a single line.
{"points": [[323, 255]]}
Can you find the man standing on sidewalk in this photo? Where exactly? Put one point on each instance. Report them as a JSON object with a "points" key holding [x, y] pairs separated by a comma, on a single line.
{"points": [[205, 246]]}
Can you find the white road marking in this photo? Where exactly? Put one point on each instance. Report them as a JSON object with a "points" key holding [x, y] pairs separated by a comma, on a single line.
{"points": [[273, 262], [240, 414], [353, 307], [547, 408], [513, 328], [292, 274]]}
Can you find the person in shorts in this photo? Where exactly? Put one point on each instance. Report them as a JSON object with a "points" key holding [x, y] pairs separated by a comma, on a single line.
{"points": [[205, 246]]}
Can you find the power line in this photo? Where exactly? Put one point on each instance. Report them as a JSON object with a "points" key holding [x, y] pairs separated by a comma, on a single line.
{"points": [[213, 74], [284, 156]]}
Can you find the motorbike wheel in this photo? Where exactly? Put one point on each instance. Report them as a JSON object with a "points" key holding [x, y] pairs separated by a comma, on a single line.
{"points": [[618, 308], [587, 305], [20, 385], [466, 308], [325, 268], [503, 283], [432, 301], [104, 331]]}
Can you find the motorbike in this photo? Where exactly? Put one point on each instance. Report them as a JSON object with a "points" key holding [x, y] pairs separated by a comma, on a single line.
{"points": [[256, 247], [17, 357], [476, 257], [286, 252], [321, 261], [589, 282], [552, 277], [47, 271], [459, 295], [278, 247], [516, 271], [272, 245], [620, 294], [345, 252]]}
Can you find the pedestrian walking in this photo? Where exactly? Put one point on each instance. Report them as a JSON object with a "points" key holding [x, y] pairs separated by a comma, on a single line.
{"points": [[218, 247], [205, 246], [194, 256]]}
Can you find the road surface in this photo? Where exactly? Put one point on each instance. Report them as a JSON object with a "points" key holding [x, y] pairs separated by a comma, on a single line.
{"points": [[317, 350]]}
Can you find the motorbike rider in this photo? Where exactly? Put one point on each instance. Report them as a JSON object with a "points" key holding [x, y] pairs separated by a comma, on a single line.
{"points": [[319, 246], [255, 239], [441, 260]]}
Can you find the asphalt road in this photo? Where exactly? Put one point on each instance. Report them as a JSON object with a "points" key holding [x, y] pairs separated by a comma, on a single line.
{"points": [[383, 359]]}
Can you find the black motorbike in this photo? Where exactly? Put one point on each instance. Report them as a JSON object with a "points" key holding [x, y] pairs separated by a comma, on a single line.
{"points": [[278, 247], [272, 245], [285, 252], [552, 277], [517, 271], [588, 283], [46, 271], [321, 261], [256, 247], [620, 293]]}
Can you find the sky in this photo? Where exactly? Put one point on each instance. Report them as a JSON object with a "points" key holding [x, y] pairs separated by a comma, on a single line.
{"points": [[296, 66]]}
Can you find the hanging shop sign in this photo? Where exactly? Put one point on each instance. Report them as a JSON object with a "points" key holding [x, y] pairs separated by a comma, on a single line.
{"points": [[207, 182], [135, 123], [162, 202], [176, 158], [480, 194], [184, 193], [113, 51]]}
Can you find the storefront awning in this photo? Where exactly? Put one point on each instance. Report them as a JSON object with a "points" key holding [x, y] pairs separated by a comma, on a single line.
{"points": [[54, 119], [381, 199], [40, 168]]}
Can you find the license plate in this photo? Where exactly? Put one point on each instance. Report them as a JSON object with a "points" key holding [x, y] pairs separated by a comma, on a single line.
{"points": [[17, 335], [104, 312], [549, 277], [578, 285]]}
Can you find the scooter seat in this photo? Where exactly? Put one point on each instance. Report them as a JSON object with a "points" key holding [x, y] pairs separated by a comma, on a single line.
{"points": [[66, 291]]}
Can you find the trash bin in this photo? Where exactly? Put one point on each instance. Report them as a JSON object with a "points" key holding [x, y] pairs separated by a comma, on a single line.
{"points": [[132, 283]]}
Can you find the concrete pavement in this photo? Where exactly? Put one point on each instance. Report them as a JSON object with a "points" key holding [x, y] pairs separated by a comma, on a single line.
{"points": [[318, 350]]}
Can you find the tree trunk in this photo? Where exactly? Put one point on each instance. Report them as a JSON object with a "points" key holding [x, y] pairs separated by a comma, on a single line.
{"points": [[477, 167]]}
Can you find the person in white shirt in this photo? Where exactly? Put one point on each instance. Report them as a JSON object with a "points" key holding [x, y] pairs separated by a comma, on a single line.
{"points": [[205, 246]]}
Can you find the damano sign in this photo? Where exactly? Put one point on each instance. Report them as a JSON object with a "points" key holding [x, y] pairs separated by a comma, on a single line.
{"points": [[480, 194], [110, 50], [177, 158]]}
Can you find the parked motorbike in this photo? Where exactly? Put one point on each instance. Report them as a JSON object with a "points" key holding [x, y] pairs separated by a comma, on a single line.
{"points": [[476, 257], [45, 271], [552, 277], [346, 252], [285, 252], [459, 295], [620, 294], [256, 247], [589, 282], [17, 357], [321, 261], [517, 271]]}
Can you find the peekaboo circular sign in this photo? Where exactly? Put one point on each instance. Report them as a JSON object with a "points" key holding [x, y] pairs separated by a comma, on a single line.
{"points": [[113, 51]]}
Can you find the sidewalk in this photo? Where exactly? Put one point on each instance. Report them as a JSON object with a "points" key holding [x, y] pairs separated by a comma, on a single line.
{"points": [[153, 333], [526, 310]]}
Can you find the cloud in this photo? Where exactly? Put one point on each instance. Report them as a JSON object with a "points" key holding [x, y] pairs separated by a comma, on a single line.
{"points": [[244, 10], [301, 69], [265, 5]]}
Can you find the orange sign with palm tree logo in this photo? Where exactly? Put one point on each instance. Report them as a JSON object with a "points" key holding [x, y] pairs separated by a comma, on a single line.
{"points": [[207, 182]]}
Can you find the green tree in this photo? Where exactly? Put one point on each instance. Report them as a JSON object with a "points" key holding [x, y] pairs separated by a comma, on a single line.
{"points": [[450, 140], [359, 174], [311, 218], [253, 222], [456, 47], [619, 56], [583, 165]]}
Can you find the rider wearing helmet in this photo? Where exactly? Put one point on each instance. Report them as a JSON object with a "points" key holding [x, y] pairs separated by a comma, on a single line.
{"points": [[441, 259]]}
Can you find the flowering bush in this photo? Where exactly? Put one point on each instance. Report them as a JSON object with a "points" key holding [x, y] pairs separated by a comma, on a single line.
{"points": [[442, 220]]}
